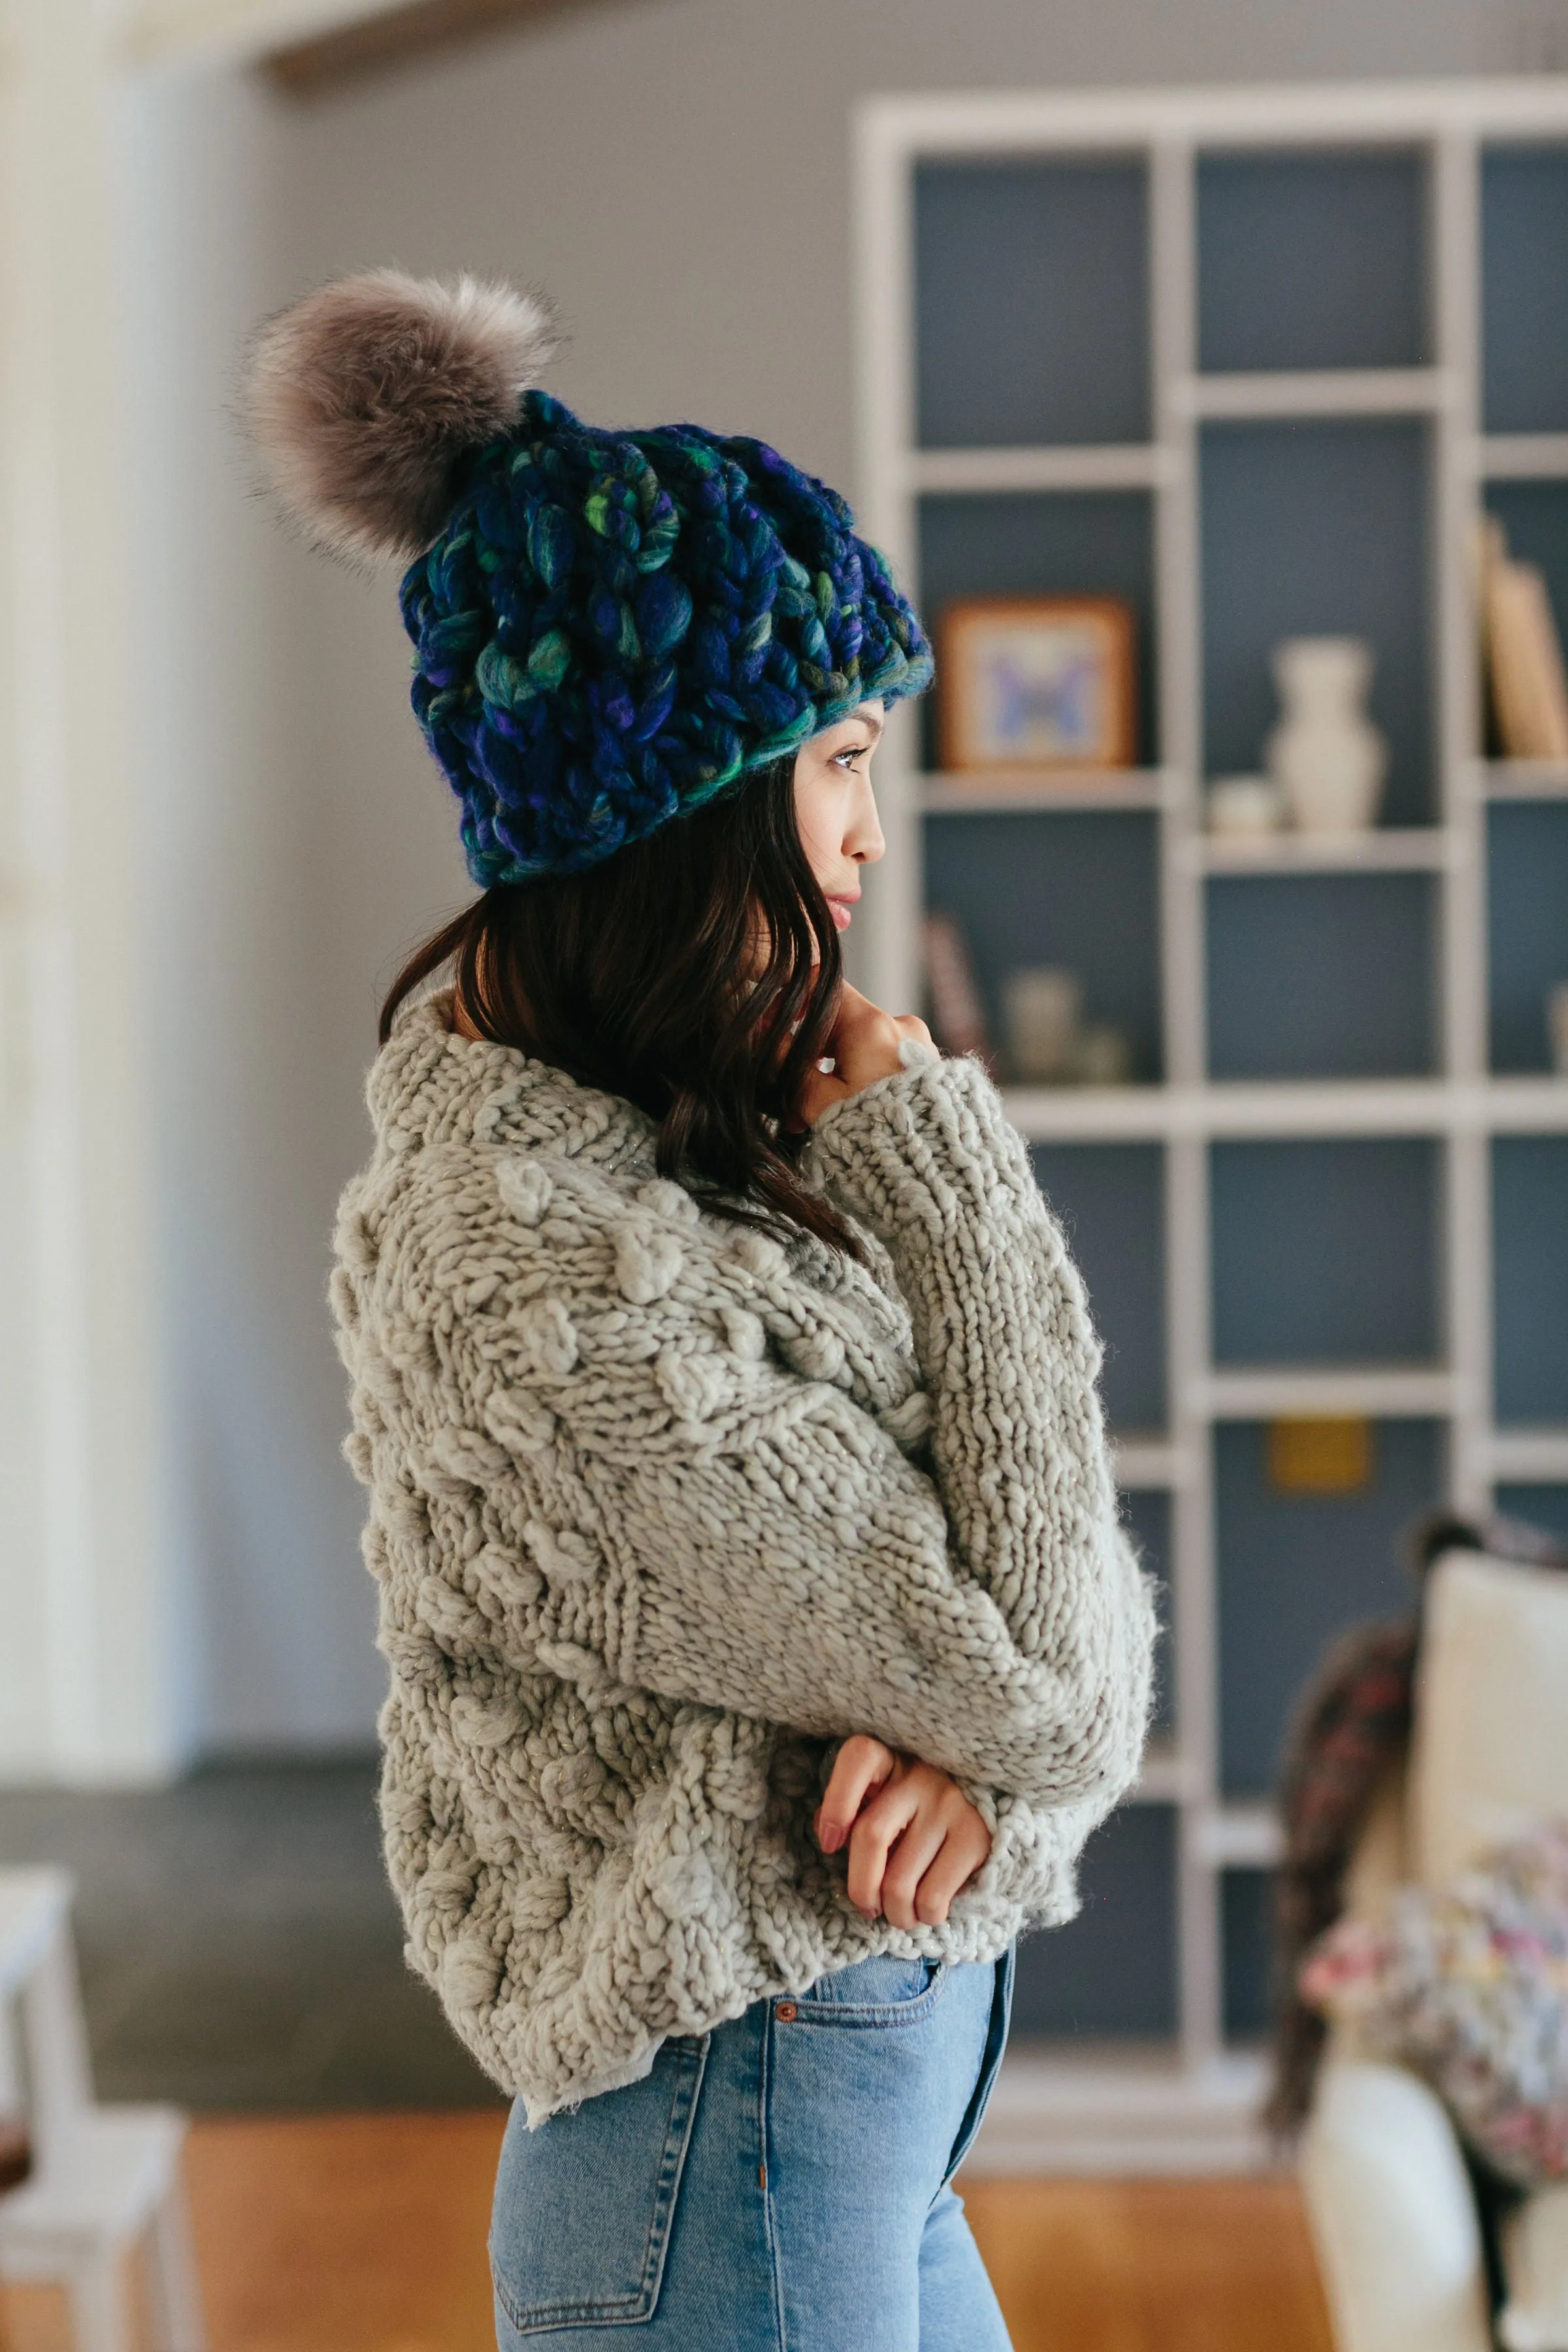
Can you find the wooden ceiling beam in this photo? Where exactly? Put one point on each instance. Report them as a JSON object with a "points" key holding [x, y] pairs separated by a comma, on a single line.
{"points": [[394, 36]]}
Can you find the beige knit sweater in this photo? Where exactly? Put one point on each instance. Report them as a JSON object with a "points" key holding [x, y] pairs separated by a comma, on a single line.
{"points": [[662, 1508]]}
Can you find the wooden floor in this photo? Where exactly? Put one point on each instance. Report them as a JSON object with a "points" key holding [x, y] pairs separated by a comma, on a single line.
{"points": [[366, 2233]]}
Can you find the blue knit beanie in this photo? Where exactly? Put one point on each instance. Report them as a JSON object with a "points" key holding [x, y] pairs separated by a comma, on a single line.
{"points": [[609, 628]]}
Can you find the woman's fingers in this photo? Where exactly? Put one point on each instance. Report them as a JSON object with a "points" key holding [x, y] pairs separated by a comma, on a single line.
{"points": [[865, 1040], [964, 1852], [864, 1046], [914, 1847], [862, 1765], [909, 1863], [915, 1841], [881, 1823]]}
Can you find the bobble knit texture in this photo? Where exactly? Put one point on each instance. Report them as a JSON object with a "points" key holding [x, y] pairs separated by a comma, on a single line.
{"points": [[661, 1508]]}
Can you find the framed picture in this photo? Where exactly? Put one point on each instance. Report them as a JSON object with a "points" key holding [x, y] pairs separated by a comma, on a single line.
{"points": [[1036, 682]]}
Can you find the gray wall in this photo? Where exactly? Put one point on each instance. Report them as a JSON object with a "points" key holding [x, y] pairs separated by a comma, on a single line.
{"points": [[676, 171]]}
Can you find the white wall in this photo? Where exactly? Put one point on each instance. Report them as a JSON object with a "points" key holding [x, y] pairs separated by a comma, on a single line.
{"points": [[676, 173], [271, 916]]}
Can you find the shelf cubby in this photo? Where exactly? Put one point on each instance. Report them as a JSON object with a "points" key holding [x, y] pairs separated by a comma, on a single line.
{"points": [[1524, 288], [1046, 544], [1310, 527], [1529, 1260], [1110, 1974], [1079, 889], [1324, 1251], [1247, 1899], [1294, 1572], [1016, 258], [1322, 975], [1109, 1198], [1527, 927], [1312, 260]]}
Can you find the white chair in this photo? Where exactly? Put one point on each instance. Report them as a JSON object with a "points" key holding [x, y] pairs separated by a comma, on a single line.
{"points": [[104, 2179], [1393, 2214]]}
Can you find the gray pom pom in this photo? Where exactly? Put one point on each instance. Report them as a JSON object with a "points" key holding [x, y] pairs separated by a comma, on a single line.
{"points": [[363, 396]]}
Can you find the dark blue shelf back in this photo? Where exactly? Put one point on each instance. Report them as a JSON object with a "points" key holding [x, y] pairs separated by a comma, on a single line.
{"points": [[1247, 1899], [1527, 925], [1045, 544], [1147, 1512], [1524, 290], [1321, 976], [1109, 1198], [1310, 529], [1543, 1507], [1296, 1572], [1032, 303], [1079, 890], [1530, 1262], [1312, 261], [1325, 1252], [1112, 1970]]}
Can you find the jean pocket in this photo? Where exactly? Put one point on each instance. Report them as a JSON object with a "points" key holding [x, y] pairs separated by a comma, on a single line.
{"points": [[584, 2205], [882, 1991]]}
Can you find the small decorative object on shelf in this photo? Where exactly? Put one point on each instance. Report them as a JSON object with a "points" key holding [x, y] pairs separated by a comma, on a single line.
{"points": [[952, 992], [1557, 1026], [1244, 808], [1043, 1009], [1104, 1055], [1032, 683], [1325, 755], [1321, 1456], [1523, 653], [1049, 1043]]}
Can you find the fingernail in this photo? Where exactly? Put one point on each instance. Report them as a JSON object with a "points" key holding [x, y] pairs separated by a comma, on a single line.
{"points": [[867, 1915], [832, 1838]]}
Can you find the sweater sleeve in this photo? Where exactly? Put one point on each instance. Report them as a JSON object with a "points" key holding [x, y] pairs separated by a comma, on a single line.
{"points": [[788, 1558]]}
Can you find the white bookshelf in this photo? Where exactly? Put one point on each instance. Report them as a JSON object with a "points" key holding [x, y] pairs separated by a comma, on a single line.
{"points": [[1188, 2105]]}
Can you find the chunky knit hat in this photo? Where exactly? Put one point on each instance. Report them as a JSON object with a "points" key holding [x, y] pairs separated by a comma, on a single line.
{"points": [[609, 627]]}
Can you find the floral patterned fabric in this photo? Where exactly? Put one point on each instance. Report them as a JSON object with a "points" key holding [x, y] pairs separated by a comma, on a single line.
{"points": [[1468, 1987]]}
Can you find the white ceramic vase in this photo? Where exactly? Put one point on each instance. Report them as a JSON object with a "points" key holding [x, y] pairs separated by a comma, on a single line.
{"points": [[1326, 755]]}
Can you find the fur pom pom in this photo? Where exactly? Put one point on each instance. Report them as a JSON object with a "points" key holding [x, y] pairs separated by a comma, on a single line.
{"points": [[362, 397]]}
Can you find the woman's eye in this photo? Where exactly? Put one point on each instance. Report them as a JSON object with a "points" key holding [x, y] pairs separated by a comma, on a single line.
{"points": [[848, 757]]}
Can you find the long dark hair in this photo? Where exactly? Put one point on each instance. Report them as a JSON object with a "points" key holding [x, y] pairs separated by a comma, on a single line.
{"points": [[695, 973]]}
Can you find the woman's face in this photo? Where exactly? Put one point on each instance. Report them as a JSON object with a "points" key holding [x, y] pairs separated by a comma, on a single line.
{"points": [[834, 807]]}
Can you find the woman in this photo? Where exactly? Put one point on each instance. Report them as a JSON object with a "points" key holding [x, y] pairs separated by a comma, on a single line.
{"points": [[763, 1643]]}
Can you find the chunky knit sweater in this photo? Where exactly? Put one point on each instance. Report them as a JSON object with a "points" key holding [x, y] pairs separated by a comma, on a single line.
{"points": [[662, 1508]]}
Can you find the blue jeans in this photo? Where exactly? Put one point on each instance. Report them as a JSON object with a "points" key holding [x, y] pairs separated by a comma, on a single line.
{"points": [[780, 2184]]}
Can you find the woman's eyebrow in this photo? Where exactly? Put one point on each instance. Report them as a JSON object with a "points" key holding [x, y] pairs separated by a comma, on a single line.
{"points": [[869, 717]]}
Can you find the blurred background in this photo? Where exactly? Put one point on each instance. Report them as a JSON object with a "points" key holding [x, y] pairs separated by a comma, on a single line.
{"points": [[1159, 336]]}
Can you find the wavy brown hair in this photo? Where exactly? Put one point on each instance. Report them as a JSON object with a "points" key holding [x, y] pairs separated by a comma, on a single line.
{"points": [[695, 973]]}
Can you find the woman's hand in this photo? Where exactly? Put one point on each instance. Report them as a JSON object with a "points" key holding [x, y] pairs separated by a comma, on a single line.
{"points": [[913, 1846], [865, 1048]]}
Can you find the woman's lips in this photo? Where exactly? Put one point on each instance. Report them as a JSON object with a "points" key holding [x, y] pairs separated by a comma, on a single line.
{"points": [[843, 910]]}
